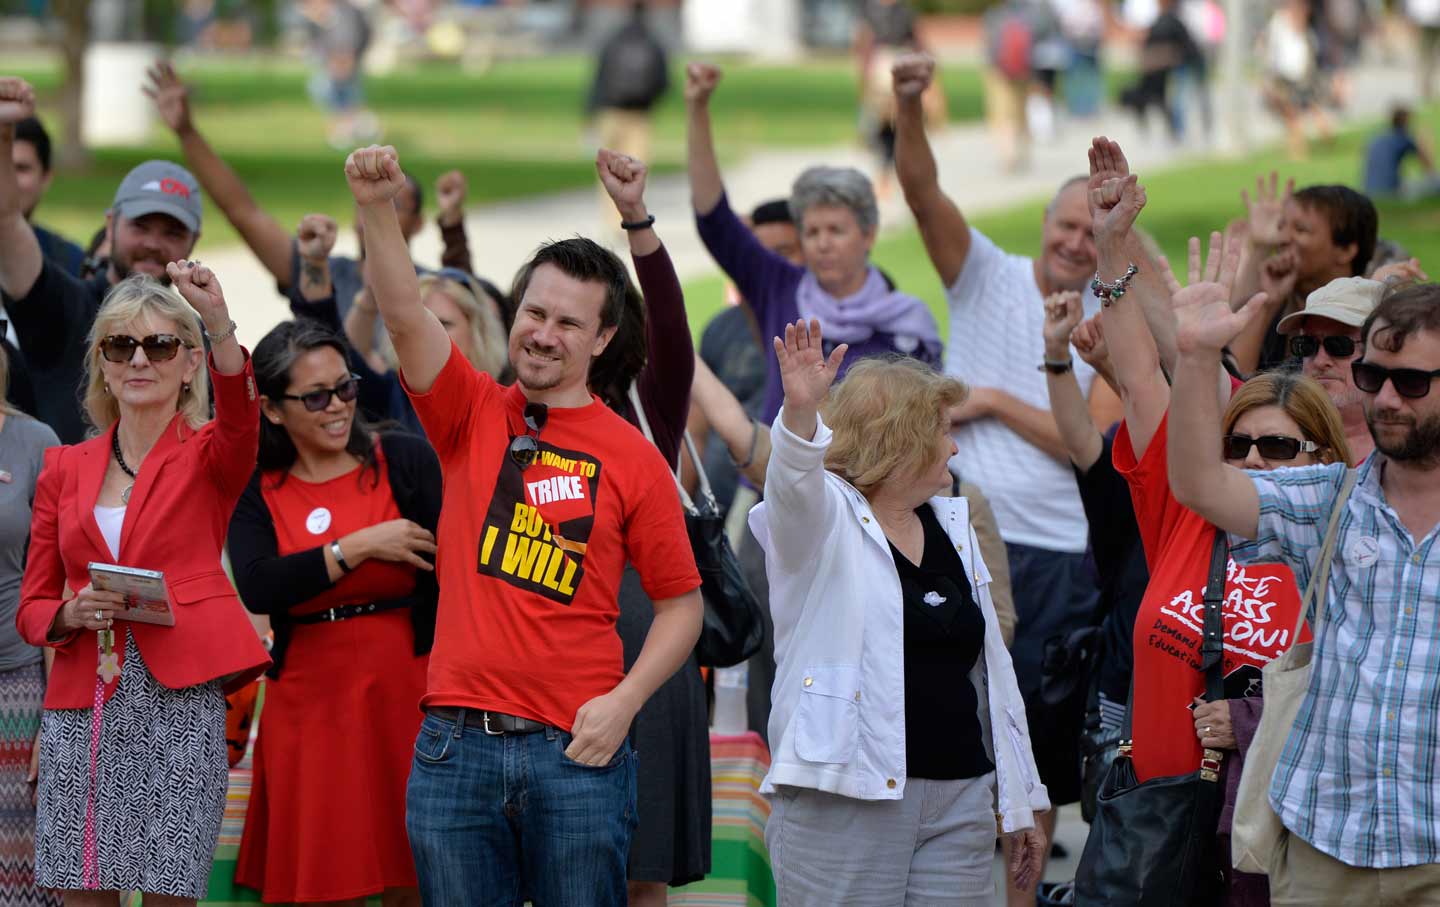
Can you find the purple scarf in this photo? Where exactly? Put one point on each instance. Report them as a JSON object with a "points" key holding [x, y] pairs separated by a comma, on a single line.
{"points": [[876, 307]]}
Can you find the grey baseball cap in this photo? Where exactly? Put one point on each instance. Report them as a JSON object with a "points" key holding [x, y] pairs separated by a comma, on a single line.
{"points": [[160, 187]]}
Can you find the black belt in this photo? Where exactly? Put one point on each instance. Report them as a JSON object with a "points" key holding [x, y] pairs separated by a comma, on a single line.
{"points": [[496, 724], [345, 612]]}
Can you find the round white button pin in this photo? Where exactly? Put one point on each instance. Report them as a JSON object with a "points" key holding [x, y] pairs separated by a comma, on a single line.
{"points": [[318, 520]]}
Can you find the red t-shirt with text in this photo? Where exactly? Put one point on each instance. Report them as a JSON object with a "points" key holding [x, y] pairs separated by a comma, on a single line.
{"points": [[1261, 603], [529, 561]]}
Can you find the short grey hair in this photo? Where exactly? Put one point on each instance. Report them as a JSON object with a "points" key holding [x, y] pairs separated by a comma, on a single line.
{"points": [[1072, 181], [835, 186]]}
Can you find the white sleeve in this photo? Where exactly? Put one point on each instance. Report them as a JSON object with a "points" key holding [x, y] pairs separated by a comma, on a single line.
{"points": [[980, 264]]}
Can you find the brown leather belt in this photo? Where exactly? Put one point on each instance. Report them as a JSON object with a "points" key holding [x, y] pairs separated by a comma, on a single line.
{"points": [[496, 724]]}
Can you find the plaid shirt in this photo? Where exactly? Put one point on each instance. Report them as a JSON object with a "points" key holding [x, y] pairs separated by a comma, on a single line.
{"points": [[1359, 778]]}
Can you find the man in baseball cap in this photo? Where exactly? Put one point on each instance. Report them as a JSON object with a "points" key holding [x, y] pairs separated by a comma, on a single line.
{"points": [[1325, 337], [154, 220]]}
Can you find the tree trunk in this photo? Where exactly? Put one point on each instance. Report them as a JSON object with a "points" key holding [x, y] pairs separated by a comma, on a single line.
{"points": [[73, 155]]}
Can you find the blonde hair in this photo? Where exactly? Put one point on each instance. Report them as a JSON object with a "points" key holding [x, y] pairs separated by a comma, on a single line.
{"points": [[136, 296], [886, 415], [1303, 400], [5, 406]]}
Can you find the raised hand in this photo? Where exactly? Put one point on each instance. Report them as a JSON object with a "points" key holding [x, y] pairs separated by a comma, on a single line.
{"points": [[1114, 205], [201, 288], [374, 174], [1401, 273], [316, 236], [1278, 274], [1107, 162], [1088, 338], [805, 372], [1204, 319], [450, 191], [912, 74], [701, 80], [17, 100], [1063, 313], [171, 96], [624, 180], [1267, 210]]}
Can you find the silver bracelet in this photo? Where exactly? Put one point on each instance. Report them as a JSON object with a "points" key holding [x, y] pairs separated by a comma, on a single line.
{"points": [[1109, 292], [339, 558], [223, 336]]}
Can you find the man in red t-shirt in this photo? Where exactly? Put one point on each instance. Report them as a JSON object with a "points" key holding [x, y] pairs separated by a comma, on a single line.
{"points": [[523, 782]]}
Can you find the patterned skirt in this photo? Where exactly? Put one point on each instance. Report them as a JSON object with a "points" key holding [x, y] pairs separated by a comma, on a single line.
{"points": [[22, 691], [160, 787]]}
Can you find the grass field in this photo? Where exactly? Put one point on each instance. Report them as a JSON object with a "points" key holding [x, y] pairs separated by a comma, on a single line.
{"points": [[1188, 201], [515, 131]]}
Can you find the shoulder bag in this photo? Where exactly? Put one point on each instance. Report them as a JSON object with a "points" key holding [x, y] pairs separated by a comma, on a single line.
{"points": [[1256, 829], [1153, 844], [734, 627]]}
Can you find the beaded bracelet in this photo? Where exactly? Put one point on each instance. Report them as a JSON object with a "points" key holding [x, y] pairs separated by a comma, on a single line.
{"points": [[1109, 292]]}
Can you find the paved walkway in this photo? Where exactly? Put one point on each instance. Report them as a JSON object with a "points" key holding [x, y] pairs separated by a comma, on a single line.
{"points": [[503, 235]]}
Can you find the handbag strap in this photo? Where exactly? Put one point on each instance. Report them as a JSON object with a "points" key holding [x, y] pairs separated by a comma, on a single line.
{"points": [[685, 499], [1318, 588]]}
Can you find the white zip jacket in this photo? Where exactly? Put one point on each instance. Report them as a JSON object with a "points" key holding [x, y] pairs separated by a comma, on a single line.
{"points": [[837, 718]]}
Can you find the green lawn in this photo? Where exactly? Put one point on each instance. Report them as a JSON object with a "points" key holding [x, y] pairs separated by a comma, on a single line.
{"points": [[515, 131], [1187, 201]]}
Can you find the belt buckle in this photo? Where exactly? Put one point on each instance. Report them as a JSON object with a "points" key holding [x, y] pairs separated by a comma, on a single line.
{"points": [[330, 615], [485, 725]]}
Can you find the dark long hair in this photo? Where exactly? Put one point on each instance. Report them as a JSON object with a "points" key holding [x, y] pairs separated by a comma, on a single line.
{"points": [[273, 358]]}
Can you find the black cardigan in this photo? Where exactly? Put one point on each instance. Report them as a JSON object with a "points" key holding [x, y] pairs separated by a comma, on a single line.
{"points": [[273, 585]]}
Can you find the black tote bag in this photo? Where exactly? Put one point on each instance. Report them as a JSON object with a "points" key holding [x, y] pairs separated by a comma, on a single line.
{"points": [[1153, 844]]}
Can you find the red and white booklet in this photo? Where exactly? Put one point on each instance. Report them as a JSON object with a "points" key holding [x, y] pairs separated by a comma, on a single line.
{"points": [[146, 599]]}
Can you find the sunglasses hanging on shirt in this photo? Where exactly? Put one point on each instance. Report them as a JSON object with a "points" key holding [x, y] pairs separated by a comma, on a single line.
{"points": [[525, 449]]}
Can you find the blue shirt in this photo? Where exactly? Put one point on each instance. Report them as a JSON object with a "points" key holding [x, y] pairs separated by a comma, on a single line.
{"points": [[1383, 159], [1359, 777]]}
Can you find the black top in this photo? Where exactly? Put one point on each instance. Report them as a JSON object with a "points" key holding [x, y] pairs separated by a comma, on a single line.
{"points": [[1120, 566], [893, 24], [53, 323], [944, 633], [60, 250], [270, 584]]}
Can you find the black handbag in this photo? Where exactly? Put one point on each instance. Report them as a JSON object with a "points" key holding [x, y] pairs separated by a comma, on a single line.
{"points": [[734, 627], [1153, 844]]}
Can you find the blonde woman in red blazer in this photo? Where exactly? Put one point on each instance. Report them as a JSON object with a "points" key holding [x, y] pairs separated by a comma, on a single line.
{"points": [[131, 793]]}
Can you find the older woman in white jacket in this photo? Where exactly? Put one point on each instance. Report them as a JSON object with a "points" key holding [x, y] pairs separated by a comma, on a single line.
{"points": [[899, 735]]}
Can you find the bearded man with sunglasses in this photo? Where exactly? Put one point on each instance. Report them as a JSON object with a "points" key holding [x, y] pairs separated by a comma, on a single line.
{"points": [[155, 220], [1356, 783], [523, 783], [1325, 337]]}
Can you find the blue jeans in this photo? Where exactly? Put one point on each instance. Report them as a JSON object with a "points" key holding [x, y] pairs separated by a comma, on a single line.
{"points": [[494, 821]]}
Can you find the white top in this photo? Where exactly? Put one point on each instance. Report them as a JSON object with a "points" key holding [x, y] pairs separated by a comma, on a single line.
{"points": [[1424, 12], [111, 520], [837, 715], [1288, 51], [996, 340]]}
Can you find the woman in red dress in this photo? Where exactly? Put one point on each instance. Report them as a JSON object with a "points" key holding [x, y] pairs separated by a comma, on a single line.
{"points": [[334, 540]]}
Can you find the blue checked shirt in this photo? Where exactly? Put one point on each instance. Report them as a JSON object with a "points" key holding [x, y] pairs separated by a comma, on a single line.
{"points": [[1359, 778]]}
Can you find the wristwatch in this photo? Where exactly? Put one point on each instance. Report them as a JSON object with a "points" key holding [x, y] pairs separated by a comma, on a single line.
{"points": [[1056, 368]]}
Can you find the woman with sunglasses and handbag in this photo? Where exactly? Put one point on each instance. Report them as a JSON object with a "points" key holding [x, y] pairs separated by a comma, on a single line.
{"points": [[1274, 420], [133, 768], [333, 539]]}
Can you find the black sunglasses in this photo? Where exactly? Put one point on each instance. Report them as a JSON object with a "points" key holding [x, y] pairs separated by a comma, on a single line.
{"points": [[1303, 347], [525, 449], [315, 401], [1409, 382], [1271, 447], [157, 347]]}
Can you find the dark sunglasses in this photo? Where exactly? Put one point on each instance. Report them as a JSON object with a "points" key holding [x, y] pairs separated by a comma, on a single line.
{"points": [[315, 401], [1409, 382], [157, 347], [525, 449], [1271, 447], [1304, 347]]}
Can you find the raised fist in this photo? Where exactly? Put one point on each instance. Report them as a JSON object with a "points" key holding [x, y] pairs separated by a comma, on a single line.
{"points": [[701, 80], [624, 180], [171, 96], [450, 190], [374, 174], [316, 236], [201, 288], [1063, 312], [913, 74], [17, 100]]}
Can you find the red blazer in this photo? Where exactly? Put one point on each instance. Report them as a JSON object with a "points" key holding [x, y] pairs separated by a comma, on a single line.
{"points": [[176, 522]]}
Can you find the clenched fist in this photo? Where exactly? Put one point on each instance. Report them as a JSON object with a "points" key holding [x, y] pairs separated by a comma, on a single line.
{"points": [[701, 80], [450, 190], [913, 74], [316, 236], [17, 100], [374, 174]]}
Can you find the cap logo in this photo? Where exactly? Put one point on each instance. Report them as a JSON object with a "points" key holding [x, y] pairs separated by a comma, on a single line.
{"points": [[168, 186]]}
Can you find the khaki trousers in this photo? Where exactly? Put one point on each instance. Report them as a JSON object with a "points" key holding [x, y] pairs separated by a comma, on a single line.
{"points": [[1301, 876]]}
